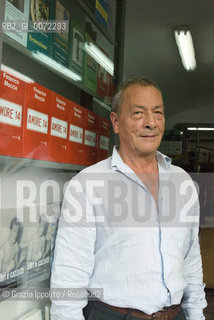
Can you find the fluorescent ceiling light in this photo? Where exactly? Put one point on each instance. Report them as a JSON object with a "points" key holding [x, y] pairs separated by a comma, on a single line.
{"points": [[201, 129], [186, 49], [56, 66], [100, 57]]}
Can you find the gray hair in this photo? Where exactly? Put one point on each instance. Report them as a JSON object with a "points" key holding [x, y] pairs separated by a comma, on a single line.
{"points": [[139, 80]]}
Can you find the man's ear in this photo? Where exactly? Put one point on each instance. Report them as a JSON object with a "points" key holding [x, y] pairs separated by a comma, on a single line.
{"points": [[114, 121]]}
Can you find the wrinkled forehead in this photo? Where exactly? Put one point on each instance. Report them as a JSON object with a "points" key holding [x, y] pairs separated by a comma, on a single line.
{"points": [[141, 95]]}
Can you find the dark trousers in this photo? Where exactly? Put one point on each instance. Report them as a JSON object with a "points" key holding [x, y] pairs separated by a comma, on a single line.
{"points": [[96, 311]]}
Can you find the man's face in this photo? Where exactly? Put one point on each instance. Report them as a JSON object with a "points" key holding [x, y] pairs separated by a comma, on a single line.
{"points": [[141, 121]]}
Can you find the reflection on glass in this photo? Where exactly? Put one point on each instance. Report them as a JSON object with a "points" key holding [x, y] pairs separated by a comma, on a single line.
{"points": [[16, 73], [100, 57], [56, 66]]}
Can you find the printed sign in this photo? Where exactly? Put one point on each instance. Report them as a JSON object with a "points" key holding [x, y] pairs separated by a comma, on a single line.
{"points": [[90, 138], [75, 134], [10, 113], [104, 143], [37, 121], [59, 128]]}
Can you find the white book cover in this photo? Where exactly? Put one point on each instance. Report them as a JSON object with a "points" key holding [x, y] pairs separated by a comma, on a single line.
{"points": [[17, 11]]}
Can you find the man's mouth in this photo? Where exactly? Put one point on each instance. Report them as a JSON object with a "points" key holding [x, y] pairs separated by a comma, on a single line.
{"points": [[148, 136]]}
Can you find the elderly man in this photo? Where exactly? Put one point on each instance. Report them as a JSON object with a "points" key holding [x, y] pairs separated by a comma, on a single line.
{"points": [[129, 225]]}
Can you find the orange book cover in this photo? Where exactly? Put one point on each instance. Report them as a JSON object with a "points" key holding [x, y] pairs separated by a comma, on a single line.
{"points": [[77, 119], [90, 138], [12, 90], [103, 138], [58, 129], [36, 122]]}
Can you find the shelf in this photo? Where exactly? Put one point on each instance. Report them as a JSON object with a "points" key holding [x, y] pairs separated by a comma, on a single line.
{"points": [[23, 162], [102, 104], [17, 46]]}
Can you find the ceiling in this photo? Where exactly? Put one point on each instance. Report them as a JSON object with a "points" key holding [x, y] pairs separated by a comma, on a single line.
{"points": [[150, 44]]}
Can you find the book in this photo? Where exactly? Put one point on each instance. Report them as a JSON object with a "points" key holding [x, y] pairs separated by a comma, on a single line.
{"points": [[36, 122], [18, 11], [103, 138], [76, 56], [60, 45], [102, 78], [58, 129], [105, 68], [90, 4], [12, 90], [111, 18], [90, 138], [77, 120], [41, 40], [101, 12], [90, 66]]}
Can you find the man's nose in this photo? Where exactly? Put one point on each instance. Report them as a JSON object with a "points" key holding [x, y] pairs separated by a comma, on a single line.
{"points": [[150, 120]]}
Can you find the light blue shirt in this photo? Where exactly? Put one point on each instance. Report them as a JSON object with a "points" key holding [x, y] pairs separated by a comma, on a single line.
{"points": [[113, 235]]}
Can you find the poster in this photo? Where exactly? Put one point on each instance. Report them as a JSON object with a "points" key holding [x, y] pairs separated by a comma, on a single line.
{"points": [[26, 248]]}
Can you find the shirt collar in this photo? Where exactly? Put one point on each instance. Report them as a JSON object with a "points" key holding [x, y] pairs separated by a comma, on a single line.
{"points": [[117, 162]]}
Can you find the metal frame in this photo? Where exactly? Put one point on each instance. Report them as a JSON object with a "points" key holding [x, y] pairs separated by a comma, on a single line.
{"points": [[2, 10]]}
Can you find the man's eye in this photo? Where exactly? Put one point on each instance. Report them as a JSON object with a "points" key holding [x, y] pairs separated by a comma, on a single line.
{"points": [[159, 113]]}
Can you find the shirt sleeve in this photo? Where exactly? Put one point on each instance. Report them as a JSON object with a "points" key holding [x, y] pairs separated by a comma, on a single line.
{"points": [[73, 256], [194, 296]]}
